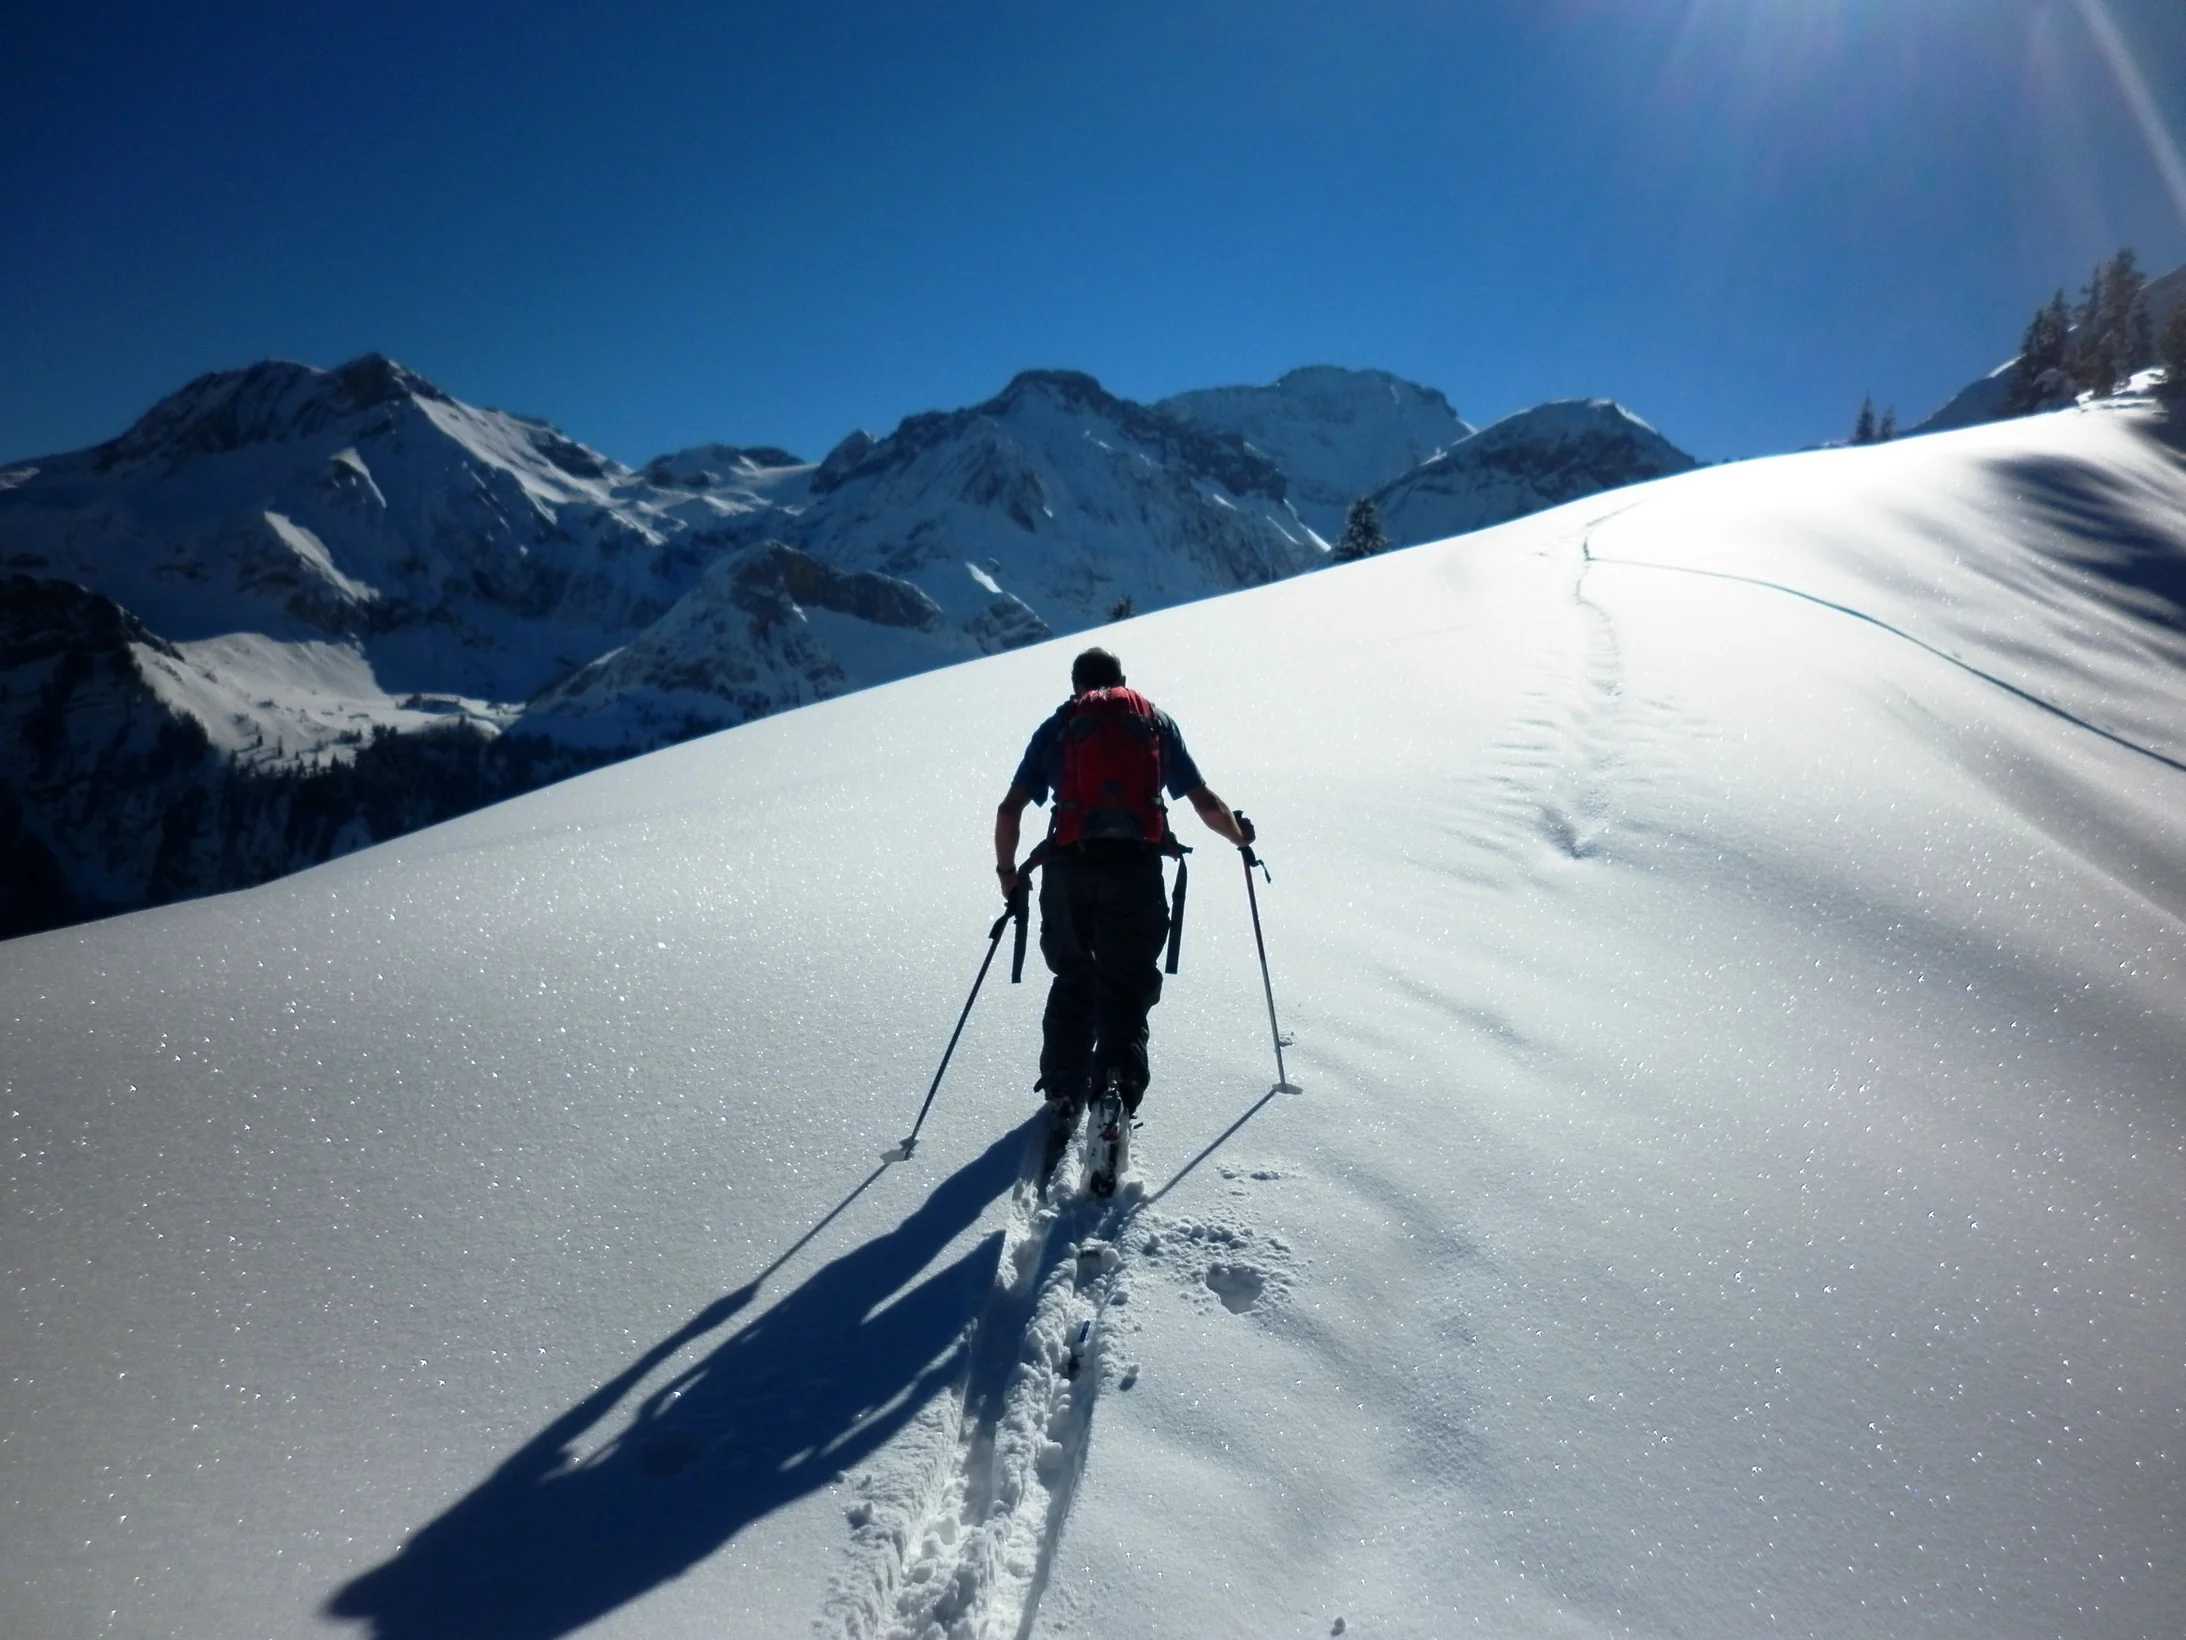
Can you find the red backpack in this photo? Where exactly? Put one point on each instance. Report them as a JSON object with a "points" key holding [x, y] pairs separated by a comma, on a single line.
{"points": [[1111, 782]]}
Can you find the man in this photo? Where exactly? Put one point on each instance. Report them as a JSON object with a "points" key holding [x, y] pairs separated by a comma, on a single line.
{"points": [[1106, 755]]}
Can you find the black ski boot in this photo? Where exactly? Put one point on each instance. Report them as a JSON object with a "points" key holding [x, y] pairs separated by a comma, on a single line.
{"points": [[1108, 1141]]}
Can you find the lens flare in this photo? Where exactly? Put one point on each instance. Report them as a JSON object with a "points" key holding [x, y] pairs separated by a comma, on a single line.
{"points": [[2161, 146]]}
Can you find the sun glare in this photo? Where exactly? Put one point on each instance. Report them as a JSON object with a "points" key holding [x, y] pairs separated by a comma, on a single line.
{"points": [[2162, 146]]}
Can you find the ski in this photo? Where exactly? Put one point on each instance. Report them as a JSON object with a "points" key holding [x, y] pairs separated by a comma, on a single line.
{"points": [[1107, 1143]]}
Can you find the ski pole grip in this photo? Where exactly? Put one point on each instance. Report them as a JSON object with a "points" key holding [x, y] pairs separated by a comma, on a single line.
{"points": [[1176, 919], [1017, 951]]}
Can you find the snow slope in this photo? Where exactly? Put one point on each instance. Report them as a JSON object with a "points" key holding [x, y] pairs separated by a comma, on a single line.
{"points": [[1734, 933]]}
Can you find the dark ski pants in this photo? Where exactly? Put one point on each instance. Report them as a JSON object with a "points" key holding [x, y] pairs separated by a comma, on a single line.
{"points": [[1104, 919]]}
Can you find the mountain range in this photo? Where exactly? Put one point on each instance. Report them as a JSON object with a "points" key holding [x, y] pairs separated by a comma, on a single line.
{"points": [[291, 611]]}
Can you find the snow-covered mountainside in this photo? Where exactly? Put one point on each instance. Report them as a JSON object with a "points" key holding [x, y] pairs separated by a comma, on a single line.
{"points": [[318, 596], [1337, 434], [1734, 933], [765, 629], [142, 771], [1048, 509], [323, 566], [1062, 497], [461, 550], [1553, 453], [1986, 398]]}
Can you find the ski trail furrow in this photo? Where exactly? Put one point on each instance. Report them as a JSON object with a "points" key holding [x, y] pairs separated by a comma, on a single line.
{"points": [[964, 1553]]}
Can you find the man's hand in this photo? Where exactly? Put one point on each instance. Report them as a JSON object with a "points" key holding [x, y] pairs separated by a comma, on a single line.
{"points": [[1010, 879], [1217, 816]]}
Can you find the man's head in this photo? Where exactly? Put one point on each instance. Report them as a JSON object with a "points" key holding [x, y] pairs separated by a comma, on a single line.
{"points": [[1095, 669]]}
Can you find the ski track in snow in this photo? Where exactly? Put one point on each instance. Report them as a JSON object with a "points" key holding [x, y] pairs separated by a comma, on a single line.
{"points": [[954, 1538], [1580, 740]]}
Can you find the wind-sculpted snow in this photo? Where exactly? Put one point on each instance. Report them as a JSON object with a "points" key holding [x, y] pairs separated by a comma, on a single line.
{"points": [[1735, 937]]}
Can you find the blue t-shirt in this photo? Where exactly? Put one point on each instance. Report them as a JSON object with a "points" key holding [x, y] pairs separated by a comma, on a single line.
{"points": [[1041, 769]]}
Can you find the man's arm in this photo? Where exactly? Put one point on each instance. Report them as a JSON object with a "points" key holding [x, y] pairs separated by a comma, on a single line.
{"points": [[1007, 816], [1216, 813]]}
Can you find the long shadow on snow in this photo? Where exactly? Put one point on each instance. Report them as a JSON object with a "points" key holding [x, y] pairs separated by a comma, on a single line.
{"points": [[2100, 514], [547, 1543]]}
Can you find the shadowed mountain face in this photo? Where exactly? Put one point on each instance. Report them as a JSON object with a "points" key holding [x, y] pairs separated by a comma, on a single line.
{"points": [[351, 578], [1337, 434], [1536, 459]]}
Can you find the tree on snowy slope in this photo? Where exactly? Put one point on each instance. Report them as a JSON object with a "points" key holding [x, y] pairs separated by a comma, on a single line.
{"points": [[1863, 428], [2044, 354], [1363, 536], [2112, 339]]}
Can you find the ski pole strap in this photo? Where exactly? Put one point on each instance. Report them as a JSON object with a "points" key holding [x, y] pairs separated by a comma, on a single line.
{"points": [[1176, 917], [1033, 862]]}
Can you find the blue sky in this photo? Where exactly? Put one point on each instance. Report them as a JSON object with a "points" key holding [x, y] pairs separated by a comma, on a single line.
{"points": [[659, 225]]}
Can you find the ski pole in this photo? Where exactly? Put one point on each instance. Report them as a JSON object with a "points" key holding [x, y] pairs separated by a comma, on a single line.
{"points": [[1014, 910], [1283, 1083]]}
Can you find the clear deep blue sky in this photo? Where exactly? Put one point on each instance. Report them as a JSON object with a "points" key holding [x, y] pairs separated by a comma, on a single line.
{"points": [[657, 225]]}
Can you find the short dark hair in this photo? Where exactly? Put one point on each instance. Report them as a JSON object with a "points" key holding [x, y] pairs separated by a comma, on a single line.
{"points": [[1096, 669]]}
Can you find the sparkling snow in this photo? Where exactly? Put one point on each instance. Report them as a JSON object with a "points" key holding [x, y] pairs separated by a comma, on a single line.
{"points": [[1735, 937]]}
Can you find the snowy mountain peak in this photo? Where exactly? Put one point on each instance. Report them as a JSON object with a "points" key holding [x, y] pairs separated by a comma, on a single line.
{"points": [[1336, 433], [1068, 389], [1028, 411], [704, 466], [228, 410], [1542, 457]]}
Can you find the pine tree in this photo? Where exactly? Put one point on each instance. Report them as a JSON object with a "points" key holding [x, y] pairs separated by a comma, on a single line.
{"points": [[1362, 533], [2045, 348], [2112, 338], [1887, 428], [1863, 430]]}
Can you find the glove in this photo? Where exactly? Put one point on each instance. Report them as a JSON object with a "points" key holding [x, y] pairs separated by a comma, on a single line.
{"points": [[1244, 826]]}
